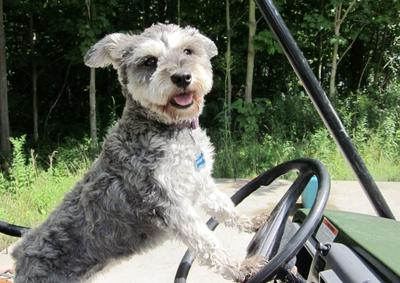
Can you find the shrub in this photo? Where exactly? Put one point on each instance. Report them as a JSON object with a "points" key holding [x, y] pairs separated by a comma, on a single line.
{"points": [[21, 172]]}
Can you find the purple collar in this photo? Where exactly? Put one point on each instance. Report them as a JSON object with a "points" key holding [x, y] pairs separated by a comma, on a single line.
{"points": [[193, 124]]}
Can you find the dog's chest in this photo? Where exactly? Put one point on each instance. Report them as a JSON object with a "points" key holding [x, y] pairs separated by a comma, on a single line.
{"points": [[186, 166]]}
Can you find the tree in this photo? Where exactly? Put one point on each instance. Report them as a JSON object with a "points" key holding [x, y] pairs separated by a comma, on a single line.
{"points": [[5, 148], [92, 105], [32, 36], [250, 52], [228, 60], [178, 10], [340, 16], [366, 59], [92, 87]]}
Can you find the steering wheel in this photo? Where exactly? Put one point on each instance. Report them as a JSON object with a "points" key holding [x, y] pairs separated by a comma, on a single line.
{"points": [[267, 240]]}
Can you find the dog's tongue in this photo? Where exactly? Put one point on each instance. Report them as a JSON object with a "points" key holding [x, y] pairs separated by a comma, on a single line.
{"points": [[183, 99]]}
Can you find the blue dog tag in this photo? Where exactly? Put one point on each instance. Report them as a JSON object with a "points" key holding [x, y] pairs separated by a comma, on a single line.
{"points": [[200, 162]]}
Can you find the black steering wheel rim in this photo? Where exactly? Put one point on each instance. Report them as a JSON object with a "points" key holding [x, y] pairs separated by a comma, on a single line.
{"points": [[306, 169]]}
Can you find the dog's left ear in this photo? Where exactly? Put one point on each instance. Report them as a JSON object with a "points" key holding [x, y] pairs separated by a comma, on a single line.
{"points": [[108, 50], [208, 44]]}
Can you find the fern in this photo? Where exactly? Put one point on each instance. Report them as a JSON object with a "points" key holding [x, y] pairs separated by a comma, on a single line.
{"points": [[21, 173]]}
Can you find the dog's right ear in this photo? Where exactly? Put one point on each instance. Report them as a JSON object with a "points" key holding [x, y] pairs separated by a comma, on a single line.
{"points": [[107, 51]]}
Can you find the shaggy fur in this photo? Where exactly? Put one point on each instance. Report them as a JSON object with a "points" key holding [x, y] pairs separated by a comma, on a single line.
{"points": [[143, 187]]}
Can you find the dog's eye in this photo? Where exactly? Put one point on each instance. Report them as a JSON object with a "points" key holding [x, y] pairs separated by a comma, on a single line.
{"points": [[150, 62], [188, 51]]}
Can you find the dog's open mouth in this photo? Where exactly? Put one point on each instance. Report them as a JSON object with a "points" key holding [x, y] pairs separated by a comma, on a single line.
{"points": [[182, 100]]}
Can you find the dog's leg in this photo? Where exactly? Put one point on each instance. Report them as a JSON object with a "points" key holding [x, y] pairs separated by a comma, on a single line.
{"points": [[187, 225], [220, 206]]}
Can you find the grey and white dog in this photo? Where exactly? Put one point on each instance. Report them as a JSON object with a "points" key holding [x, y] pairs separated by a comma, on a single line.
{"points": [[155, 165]]}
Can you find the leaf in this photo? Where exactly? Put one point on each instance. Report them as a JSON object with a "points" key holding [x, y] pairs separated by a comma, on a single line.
{"points": [[264, 40]]}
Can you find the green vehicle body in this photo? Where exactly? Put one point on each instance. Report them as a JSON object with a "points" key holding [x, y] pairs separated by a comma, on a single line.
{"points": [[375, 239]]}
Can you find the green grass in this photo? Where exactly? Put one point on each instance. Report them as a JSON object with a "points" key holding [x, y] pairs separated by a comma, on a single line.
{"points": [[244, 160], [30, 207], [29, 192]]}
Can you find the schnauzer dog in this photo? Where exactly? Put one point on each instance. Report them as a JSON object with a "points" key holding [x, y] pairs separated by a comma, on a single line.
{"points": [[155, 165]]}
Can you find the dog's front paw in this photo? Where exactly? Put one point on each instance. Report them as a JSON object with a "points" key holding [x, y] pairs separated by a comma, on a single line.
{"points": [[250, 267], [259, 220]]}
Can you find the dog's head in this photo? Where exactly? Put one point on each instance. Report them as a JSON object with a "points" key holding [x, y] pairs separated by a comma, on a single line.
{"points": [[166, 68]]}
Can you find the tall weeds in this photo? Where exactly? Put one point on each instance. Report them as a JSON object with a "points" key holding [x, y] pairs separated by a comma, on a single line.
{"points": [[265, 133], [30, 189], [21, 172]]}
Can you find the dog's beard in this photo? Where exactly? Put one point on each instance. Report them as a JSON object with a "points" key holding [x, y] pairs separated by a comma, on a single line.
{"points": [[180, 113], [170, 104]]}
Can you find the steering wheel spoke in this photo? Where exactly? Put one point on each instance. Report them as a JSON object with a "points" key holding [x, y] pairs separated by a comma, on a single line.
{"points": [[267, 240]]}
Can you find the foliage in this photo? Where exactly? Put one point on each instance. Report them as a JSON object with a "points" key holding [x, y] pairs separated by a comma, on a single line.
{"points": [[280, 122], [264, 41], [382, 158], [65, 30], [29, 192], [73, 156], [247, 116], [33, 198], [21, 172]]}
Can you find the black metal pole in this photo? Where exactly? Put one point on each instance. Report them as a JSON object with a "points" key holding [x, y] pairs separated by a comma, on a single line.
{"points": [[323, 105], [12, 230]]}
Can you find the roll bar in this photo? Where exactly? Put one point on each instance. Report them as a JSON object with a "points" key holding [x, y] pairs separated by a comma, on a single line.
{"points": [[323, 105]]}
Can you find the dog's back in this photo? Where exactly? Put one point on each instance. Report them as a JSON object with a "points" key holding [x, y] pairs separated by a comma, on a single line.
{"points": [[113, 212]]}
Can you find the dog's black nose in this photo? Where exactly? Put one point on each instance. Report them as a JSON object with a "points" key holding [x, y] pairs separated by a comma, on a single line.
{"points": [[181, 79]]}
